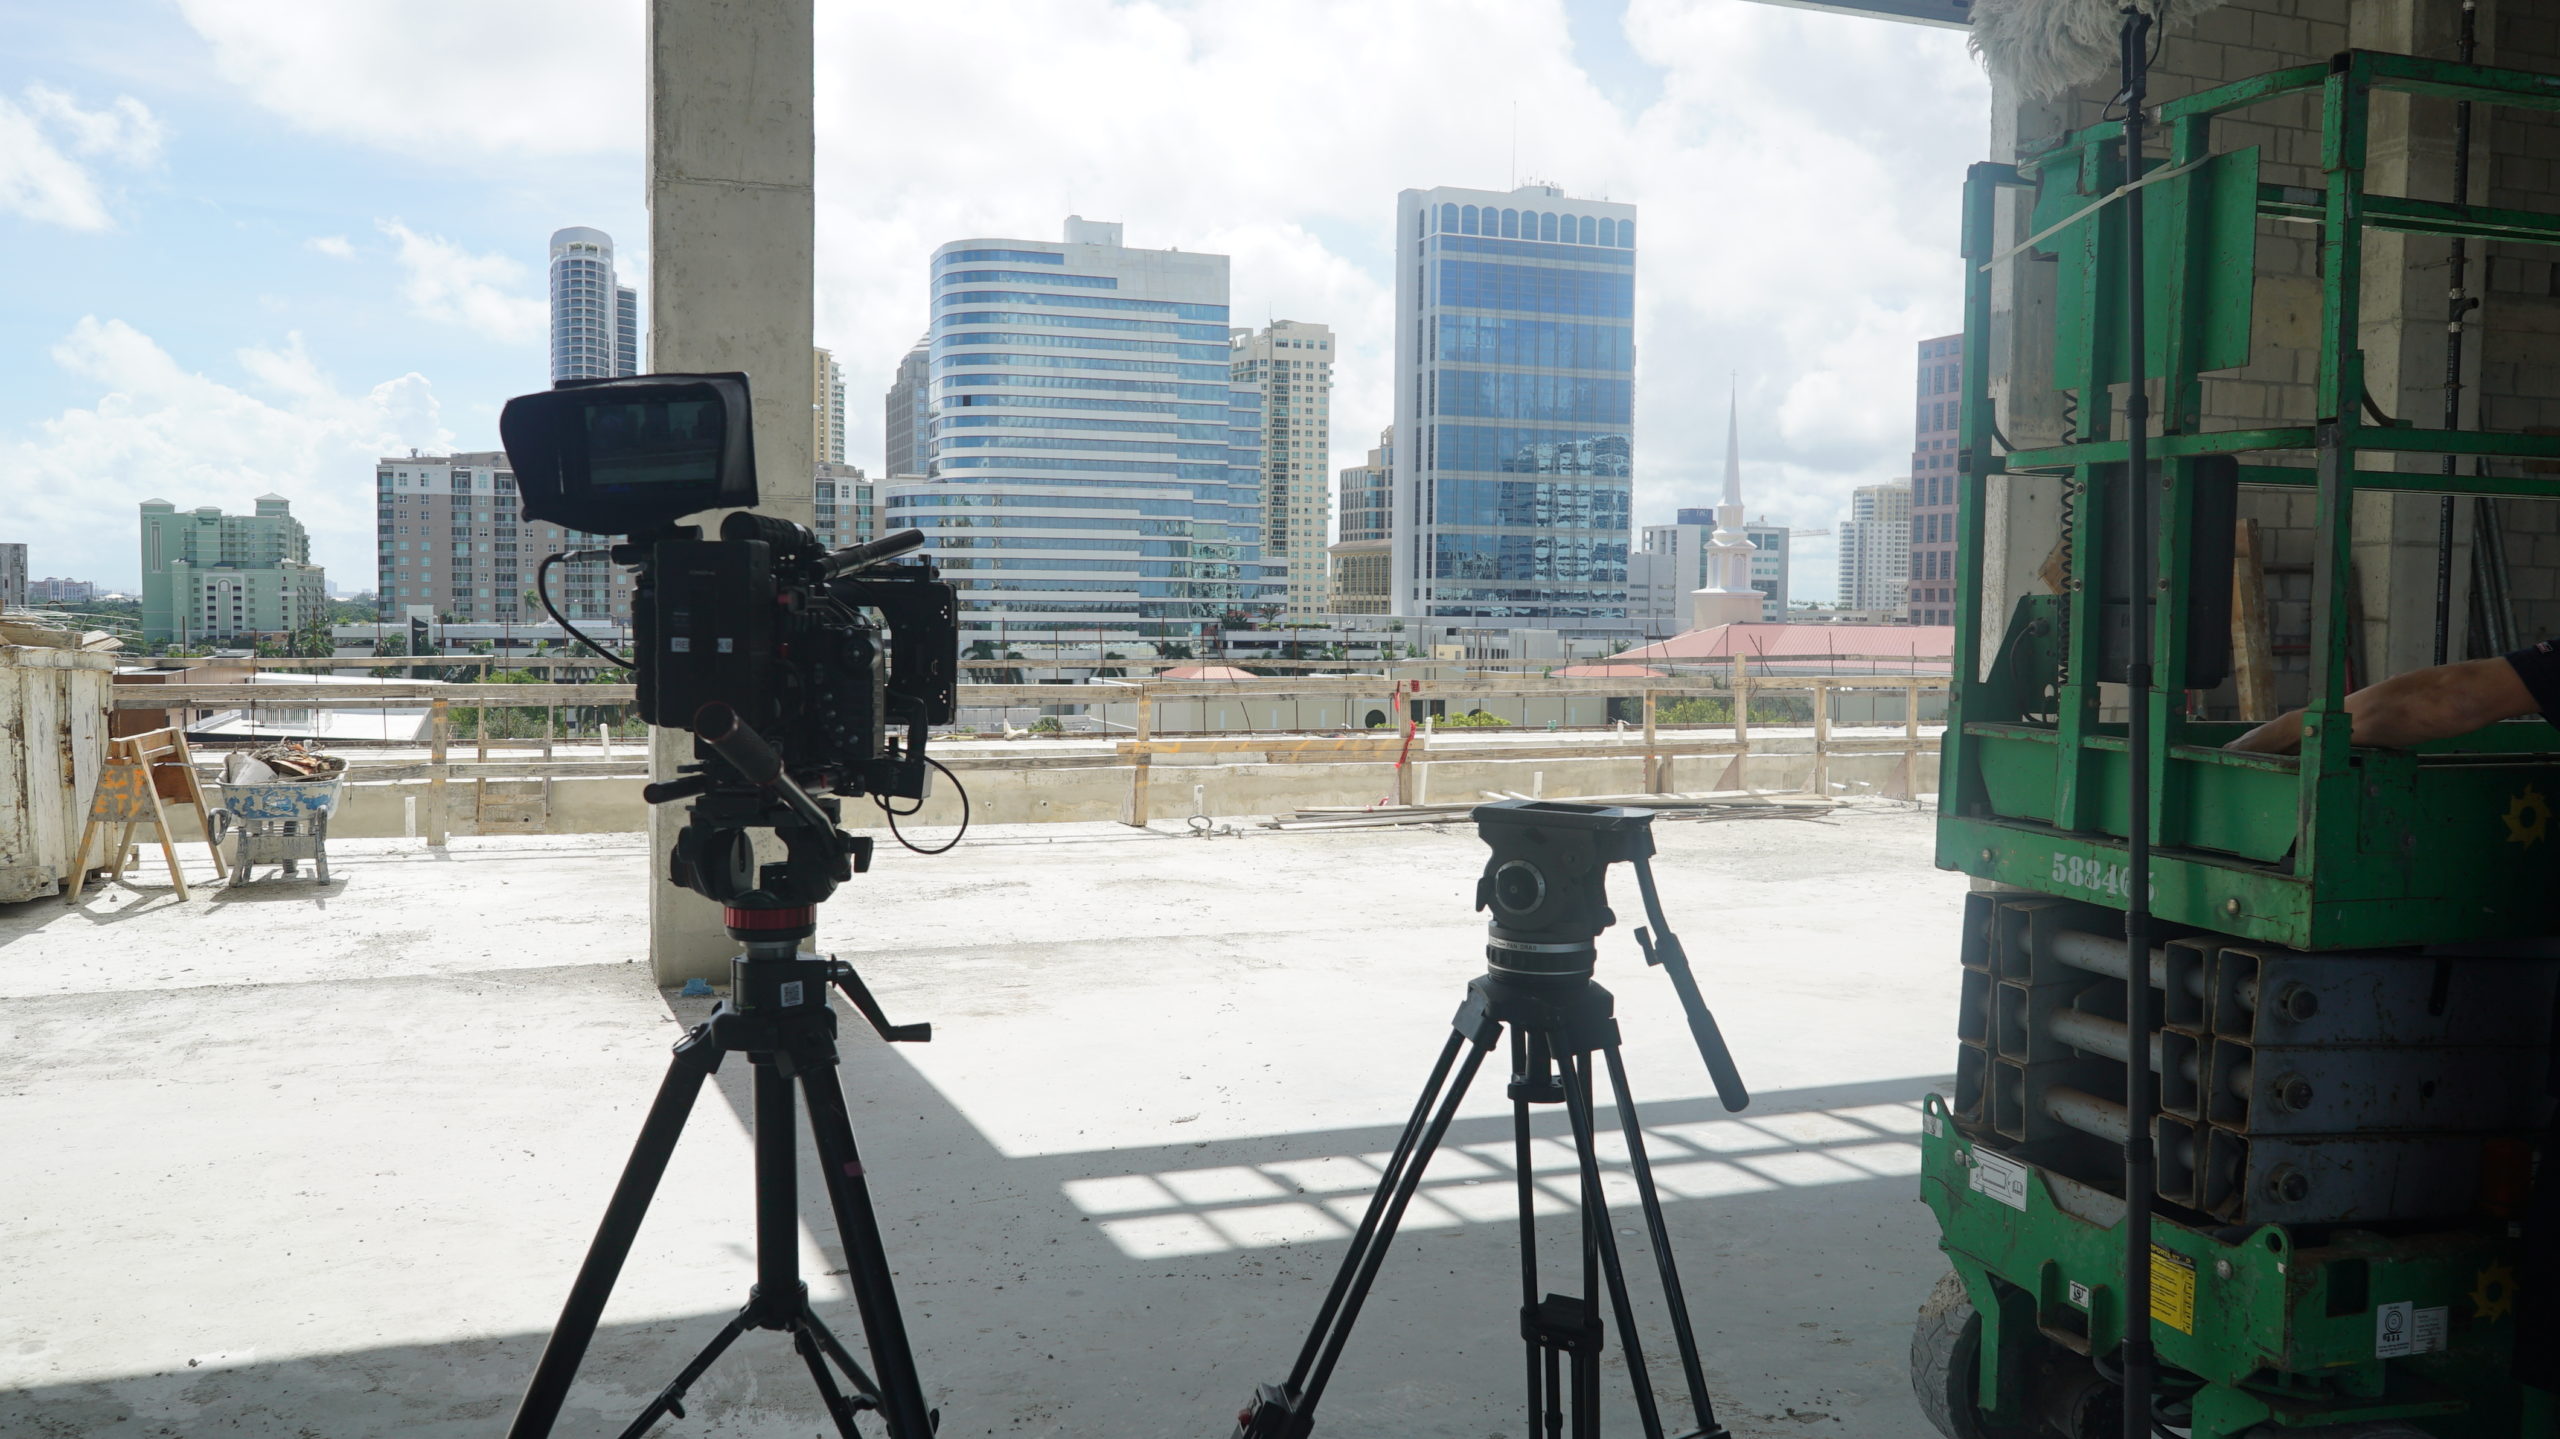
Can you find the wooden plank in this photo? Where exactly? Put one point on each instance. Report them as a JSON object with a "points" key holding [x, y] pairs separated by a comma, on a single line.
{"points": [[1138, 763], [2253, 664], [1822, 742], [346, 696], [1652, 760], [436, 731]]}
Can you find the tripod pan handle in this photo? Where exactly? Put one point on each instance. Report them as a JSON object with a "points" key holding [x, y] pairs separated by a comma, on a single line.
{"points": [[1702, 1027]]}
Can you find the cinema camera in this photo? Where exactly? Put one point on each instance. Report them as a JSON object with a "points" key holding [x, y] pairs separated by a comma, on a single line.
{"points": [[803, 675], [763, 621]]}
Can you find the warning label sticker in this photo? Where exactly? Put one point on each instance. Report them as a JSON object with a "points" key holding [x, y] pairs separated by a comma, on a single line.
{"points": [[2173, 1290], [2001, 1177], [2403, 1329]]}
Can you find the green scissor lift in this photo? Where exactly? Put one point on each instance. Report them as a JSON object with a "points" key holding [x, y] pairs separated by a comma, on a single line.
{"points": [[2354, 1258]]}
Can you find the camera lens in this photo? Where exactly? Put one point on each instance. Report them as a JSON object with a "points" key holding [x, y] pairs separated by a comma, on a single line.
{"points": [[1519, 887]]}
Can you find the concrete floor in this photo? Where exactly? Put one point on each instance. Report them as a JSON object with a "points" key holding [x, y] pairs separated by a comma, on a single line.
{"points": [[295, 1161]]}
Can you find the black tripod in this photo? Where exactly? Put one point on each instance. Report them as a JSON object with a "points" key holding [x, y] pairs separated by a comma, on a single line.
{"points": [[1544, 884], [777, 1015]]}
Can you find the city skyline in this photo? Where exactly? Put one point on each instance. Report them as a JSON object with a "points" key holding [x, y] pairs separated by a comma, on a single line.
{"points": [[382, 275]]}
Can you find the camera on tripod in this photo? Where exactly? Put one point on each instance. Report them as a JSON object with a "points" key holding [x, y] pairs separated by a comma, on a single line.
{"points": [[840, 661]]}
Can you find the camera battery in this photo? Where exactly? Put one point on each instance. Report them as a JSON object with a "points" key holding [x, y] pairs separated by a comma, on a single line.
{"points": [[709, 630]]}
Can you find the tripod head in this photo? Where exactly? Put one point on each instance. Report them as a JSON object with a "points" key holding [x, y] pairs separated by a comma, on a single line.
{"points": [[738, 787], [1546, 883]]}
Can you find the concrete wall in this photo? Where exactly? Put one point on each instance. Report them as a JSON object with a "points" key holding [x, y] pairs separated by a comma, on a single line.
{"points": [[612, 806]]}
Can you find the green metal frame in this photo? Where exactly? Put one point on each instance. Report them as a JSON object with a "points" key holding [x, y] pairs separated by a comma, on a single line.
{"points": [[2341, 848], [2284, 1336]]}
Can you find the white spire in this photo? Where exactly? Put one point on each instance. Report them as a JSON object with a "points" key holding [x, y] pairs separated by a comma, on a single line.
{"points": [[1733, 446], [1728, 596]]}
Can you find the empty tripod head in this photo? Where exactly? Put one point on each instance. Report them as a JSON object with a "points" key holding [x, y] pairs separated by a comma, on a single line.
{"points": [[1546, 881]]}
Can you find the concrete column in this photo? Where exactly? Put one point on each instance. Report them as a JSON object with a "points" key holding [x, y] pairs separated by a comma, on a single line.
{"points": [[2410, 152], [732, 244]]}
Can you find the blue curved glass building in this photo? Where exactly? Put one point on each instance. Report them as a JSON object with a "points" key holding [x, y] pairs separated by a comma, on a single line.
{"points": [[1095, 475], [1515, 399]]}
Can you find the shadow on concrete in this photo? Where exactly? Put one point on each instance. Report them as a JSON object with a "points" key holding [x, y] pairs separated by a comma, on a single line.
{"points": [[1143, 1291]]}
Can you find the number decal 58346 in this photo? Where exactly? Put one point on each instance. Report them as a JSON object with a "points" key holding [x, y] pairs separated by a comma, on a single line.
{"points": [[2095, 876]]}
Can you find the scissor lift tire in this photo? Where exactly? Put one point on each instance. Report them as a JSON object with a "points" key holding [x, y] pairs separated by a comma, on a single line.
{"points": [[1946, 1346]]}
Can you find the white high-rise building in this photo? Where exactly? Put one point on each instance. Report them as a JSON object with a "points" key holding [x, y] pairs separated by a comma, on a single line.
{"points": [[595, 319], [1291, 361], [1096, 472], [1875, 548], [1515, 361]]}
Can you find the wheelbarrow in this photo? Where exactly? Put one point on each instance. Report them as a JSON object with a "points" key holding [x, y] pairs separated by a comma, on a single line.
{"points": [[281, 823]]}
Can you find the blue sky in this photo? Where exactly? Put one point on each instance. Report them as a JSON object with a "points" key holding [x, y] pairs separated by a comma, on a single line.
{"points": [[254, 243]]}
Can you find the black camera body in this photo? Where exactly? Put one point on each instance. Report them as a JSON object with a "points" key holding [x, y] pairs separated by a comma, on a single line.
{"points": [[840, 660], [1547, 879]]}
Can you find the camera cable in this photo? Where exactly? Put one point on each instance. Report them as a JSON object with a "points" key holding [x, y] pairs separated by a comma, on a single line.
{"points": [[542, 592], [895, 814]]}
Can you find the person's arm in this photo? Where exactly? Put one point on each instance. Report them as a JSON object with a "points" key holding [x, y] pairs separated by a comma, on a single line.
{"points": [[2413, 708]]}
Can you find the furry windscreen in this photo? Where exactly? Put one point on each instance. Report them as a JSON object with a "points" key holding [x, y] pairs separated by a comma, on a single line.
{"points": [[2046, 47]]}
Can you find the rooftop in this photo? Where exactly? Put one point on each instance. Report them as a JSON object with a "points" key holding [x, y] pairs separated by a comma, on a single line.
{"points": [[359, 1136]]}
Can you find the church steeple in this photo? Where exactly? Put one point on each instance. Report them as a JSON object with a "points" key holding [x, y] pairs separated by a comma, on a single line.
{"points": [[1732, 449], [1727, 597]]}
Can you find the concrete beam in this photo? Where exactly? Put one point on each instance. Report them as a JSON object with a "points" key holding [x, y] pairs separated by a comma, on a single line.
{"points": [[732, 253]]}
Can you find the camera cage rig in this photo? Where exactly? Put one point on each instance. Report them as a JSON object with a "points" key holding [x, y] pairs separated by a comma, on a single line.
{"points": [[763, 621]]}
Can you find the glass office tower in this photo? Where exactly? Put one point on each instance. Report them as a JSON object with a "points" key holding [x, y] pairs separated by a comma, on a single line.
{"points": [[1515, 361], [1095, 475]]}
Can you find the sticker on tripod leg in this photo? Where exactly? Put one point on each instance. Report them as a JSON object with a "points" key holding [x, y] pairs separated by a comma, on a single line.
{"points": [[790, 993]]}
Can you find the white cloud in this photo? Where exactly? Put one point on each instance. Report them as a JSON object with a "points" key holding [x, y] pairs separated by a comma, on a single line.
{"points": [[333, 246], [125, 132], [40, 180], [450, 285], [426, 80], [160, 431]]}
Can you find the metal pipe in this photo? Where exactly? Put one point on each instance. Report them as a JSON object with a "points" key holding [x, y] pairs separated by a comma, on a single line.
{"points": [[2104, 955], [2458, 307], [2086, 1112], [2137, 1363], [2104, 1037]]}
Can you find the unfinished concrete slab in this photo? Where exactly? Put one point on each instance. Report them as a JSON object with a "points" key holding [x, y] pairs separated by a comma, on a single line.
{"points": [[288, 1160]]}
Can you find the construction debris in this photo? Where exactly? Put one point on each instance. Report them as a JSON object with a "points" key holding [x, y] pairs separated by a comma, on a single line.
{"points": [[286, 760]]}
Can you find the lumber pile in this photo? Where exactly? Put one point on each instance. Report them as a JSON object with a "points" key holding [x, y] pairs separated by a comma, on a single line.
{"points": [[1715, 805]]}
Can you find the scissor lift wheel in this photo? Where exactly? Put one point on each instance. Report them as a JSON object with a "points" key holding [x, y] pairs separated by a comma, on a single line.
{"points": [[1946, 1364]]}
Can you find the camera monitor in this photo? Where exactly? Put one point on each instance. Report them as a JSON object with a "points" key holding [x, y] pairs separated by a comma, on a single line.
{"points": [[628, 456]]}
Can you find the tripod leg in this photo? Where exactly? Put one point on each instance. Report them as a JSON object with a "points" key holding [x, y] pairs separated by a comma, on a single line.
{"points": [[875, 1293], [1683, 1336], [1528, 1193], [835, 1350], [1376, 1253], [670, 1400], [1595, 1213], [839, 1408], [695, 1057], [1362, 1237], [777, 1181]]}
